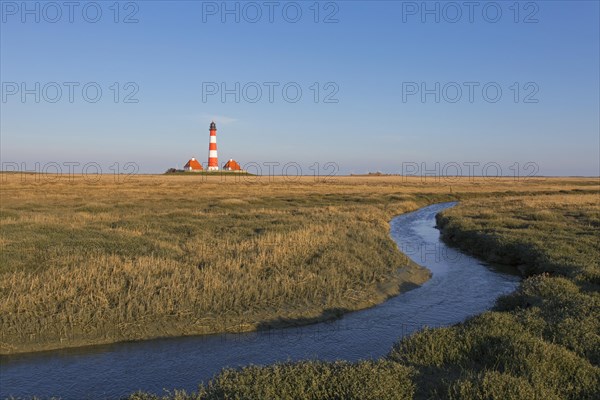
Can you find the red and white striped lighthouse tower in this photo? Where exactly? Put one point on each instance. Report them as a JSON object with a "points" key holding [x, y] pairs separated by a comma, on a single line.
{"points": [[213, 161]]}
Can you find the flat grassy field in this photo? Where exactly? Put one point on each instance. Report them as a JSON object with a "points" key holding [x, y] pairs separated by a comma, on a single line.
{"points": [[111, 259], [540, 342]]}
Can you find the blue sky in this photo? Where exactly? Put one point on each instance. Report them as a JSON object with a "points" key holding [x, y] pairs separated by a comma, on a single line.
{"points": [[371, 57]]}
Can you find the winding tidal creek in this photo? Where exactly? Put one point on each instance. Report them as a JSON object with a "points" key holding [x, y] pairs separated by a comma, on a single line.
{"points": [[461, 286]]}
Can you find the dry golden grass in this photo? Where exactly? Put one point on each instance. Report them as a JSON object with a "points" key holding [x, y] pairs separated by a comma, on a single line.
{"points": [[85, 263]]}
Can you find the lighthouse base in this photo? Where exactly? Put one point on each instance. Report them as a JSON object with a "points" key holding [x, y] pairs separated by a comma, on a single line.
{"points": [[212, 168]]}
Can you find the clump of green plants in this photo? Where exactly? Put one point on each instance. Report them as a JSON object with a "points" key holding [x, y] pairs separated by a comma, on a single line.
{"points": [[312, 380], [494, 343]]}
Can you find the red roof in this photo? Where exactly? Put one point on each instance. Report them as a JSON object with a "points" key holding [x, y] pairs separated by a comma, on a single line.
{"points": [[194, 165], [232, 165]]}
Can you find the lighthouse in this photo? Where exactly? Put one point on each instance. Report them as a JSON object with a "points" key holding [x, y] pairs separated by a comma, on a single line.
{"points": [[213, 161]]}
